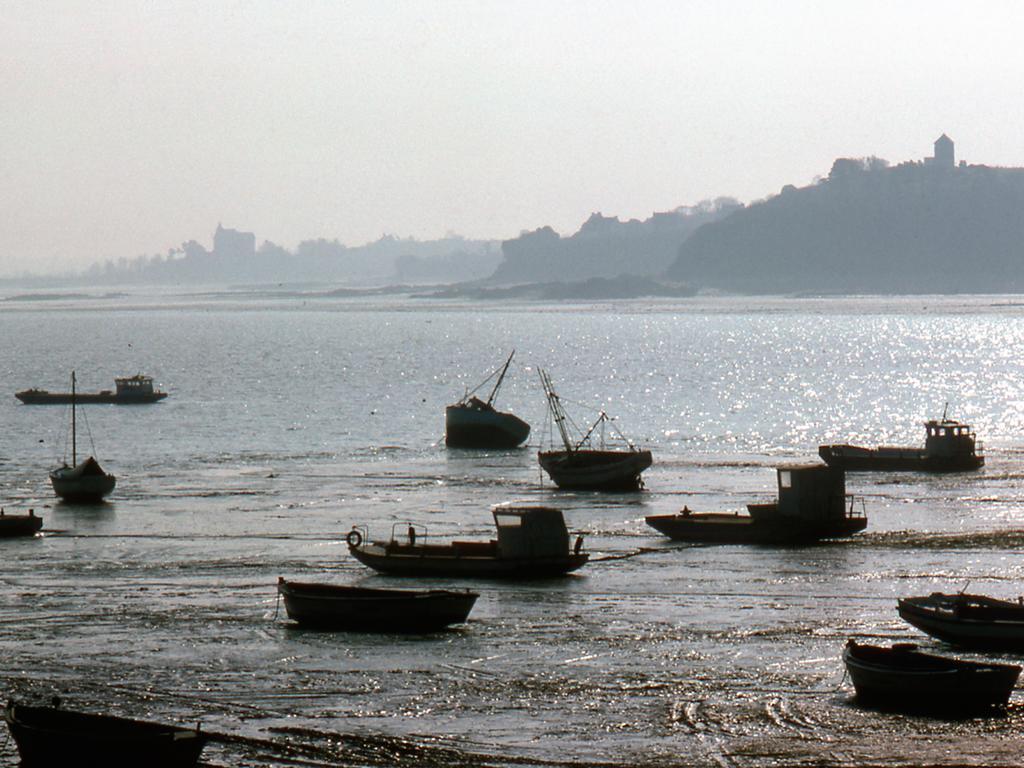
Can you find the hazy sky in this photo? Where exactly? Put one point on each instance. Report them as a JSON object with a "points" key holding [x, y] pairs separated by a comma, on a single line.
{"points": [[127, 128]]}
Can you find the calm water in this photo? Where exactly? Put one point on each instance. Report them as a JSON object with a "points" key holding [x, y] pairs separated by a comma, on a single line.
{"points": [[291, 419]]}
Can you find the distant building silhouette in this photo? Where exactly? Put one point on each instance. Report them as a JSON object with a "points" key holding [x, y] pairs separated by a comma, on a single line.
{"points": [[944, 155], [231, 243]]}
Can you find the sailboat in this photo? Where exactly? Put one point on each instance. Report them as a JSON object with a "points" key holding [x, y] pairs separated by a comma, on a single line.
{"points": [[87, 481], [582, 467], [475, 423]]}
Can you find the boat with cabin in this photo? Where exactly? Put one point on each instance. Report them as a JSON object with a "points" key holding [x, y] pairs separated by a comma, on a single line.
{"points": [[53, 736], [362, 609], [532, 543], [969, 621], [85, 482], [19, 525], [476, 423], [128, 390], [903, 679], [950, 446], [811, 506], [586, 463]]}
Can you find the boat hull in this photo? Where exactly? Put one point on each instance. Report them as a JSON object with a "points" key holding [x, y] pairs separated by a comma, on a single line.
{"points": [[469, 427], [904, 679], [596, 470], [969, 621], [891, 459], [49, 736], [724, 528], [462, 561], [19, 525], [42, 397], [85, 482], [355, 609]]}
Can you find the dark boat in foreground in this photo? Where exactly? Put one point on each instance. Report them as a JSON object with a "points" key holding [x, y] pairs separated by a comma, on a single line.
{"points": [[358, 609], [811, 506], [532, 543], [580, 466], [19, 525], [51, 736], [901, 678], [129, 390], [970, 621], [950, 446], [474, 423], [85, 482]]}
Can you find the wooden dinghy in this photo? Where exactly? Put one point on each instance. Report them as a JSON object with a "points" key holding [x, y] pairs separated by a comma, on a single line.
{"points": [[359, 609]]}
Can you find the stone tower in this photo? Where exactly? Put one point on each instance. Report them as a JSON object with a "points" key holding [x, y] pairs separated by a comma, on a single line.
{"points": [[944, 155]]}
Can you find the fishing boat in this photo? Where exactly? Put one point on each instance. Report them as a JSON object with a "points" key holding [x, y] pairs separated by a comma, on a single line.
{"points": [[52, 736], [970, 621], [476, 423], [811, 506], [85, 482], [950, 446], [128, 390], [359, 609], [532, 543], [580, 465], [19, 525], [904, 679]]}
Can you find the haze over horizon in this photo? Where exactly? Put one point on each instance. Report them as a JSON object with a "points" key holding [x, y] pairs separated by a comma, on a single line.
{"points": [[130, 128]]}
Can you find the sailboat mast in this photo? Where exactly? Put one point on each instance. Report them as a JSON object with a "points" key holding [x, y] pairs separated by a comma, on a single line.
{"points": [[74, 444], [501, 378], [555, 406]]}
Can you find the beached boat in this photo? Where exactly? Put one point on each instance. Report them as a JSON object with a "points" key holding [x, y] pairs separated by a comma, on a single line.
{"points": [[580, 465], [475, 423], [50, 736], [950, 446], [904, 679], [811, 506], [129, 390], [359, 609], [970, 621], [85, 482], [532, 543], [19, 525]]}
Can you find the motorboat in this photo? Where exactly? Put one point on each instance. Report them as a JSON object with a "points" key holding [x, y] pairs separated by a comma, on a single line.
{"points": [[532, 543], [811, 506], [19, 525], [128, 390], [950, 446]]}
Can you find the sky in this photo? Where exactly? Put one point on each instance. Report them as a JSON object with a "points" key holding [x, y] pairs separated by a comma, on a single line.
{"points": [[127, 128]]}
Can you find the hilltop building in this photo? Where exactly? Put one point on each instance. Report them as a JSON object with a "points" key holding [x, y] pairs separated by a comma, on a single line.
{"points": [[230, 243], [944, 153]]}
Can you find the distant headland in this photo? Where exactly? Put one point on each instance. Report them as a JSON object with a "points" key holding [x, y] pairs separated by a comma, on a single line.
{"points": [[929, 226]]}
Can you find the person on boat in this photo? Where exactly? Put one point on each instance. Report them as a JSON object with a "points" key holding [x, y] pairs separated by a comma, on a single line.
{"points": [[412, 536]]}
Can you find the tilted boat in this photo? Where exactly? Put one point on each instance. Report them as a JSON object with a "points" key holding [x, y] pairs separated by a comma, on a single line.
{"points": [[129, 390], [19, 525], [51, 736], [970, 621], [950, 446], [85, 482], [580, 466], [359, 609], [811, 506], [532, 543], [901, 678], [475, 423]]}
